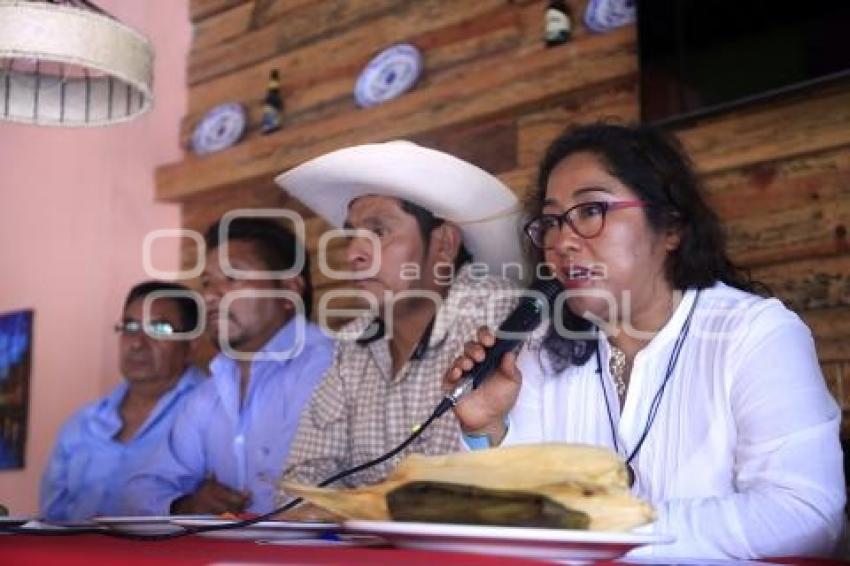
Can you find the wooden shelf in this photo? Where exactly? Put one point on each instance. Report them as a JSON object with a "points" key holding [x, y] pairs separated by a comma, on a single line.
{"points": [[525, 81]]}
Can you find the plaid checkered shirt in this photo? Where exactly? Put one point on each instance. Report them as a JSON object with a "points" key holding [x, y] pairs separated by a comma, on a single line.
{"points": [[360, 410]]}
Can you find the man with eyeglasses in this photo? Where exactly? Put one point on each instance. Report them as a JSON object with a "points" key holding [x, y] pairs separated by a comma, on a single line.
{"points": [[105, 442]]}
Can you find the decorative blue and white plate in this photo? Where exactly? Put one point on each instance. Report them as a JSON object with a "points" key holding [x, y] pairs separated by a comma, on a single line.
{"points": [[605, 15], [389, 74], [220, 128]]}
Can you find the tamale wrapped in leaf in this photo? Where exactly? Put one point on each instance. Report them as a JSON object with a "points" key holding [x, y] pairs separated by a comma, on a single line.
{"points": [[368, 502], [517, 467], [609, 509], [582, 479], [431, 502]]}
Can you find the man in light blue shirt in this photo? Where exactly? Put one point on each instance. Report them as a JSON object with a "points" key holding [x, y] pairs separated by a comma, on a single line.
{"points": [[105, 442], [228, 446]]}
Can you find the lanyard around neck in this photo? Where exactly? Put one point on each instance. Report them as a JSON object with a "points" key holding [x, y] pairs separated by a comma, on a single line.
{"points": [[656, 400]]}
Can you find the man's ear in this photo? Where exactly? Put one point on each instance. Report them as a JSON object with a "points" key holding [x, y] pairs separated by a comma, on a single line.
{"points": [[446, 241], [295, 284]]}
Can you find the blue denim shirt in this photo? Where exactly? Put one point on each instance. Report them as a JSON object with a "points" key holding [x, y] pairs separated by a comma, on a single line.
{"points": [[87, 473], [243, 448]]}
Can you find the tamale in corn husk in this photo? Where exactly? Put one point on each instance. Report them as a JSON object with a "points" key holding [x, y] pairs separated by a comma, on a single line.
{"points": [[583, 480], [429, 502]]}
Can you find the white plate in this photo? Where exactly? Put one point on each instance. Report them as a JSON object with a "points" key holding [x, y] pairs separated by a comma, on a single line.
{"points": [[544, 544], [336, 541], [13, 520], [220, 128], [265, 530], [389, 74], [49, 525], [152, 525]]}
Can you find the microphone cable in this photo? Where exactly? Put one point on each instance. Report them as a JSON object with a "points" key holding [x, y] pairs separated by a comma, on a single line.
{"points": [[71, 531], [527, 316]]}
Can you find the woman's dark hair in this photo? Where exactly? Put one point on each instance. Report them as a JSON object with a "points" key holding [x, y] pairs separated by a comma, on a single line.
{"points": [[275, 244], [427, 222], [655, 167]]}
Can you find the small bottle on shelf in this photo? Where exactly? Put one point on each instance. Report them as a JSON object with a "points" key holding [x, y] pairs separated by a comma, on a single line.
{"points": [[272, 105], [559, 23]]}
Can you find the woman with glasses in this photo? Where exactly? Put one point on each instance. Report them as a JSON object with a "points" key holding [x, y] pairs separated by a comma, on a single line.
{"points": [[661, 349]]}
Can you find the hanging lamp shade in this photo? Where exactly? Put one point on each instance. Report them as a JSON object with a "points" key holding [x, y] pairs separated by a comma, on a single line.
{"points": [[69, 63]]}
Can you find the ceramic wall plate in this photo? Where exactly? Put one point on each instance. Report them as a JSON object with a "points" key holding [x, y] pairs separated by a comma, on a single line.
{"points": [[220, 128], [389, 74], [605, 15]]}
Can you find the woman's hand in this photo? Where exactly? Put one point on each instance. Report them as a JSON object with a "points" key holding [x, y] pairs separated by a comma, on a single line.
{"points": [[483, 410]]}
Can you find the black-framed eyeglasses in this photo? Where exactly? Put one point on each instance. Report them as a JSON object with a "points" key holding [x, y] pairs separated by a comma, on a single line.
{"points": [[586, 219], [154, 328]]}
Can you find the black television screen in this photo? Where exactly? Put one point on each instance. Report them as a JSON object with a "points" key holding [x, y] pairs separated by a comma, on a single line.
{"points": [[701, 56]]}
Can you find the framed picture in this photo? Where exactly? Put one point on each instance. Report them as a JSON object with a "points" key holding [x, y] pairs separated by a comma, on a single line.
{"points": [[15, 363]]}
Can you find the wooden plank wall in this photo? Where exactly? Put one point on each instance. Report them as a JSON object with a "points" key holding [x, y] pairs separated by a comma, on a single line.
{"points": [[778, 172]]}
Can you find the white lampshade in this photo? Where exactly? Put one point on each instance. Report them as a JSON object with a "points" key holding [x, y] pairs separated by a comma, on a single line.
{"points": [[71, 64]]}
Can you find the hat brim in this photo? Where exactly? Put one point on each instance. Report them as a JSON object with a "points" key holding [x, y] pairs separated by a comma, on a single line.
{"points": [[485, 209]]}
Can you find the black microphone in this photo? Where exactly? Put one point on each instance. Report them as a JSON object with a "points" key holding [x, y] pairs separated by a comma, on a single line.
{"points": [[524, 319]]}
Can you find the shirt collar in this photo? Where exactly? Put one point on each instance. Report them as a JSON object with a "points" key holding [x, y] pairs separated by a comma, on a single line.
{"points": [[453, 305], [671, 329], [283, 340], [674, 325], [190, 377], [112, 402], [375, 331], [438, 327], [109, 409]]}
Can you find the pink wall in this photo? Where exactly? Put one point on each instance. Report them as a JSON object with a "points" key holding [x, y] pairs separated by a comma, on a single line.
{"points": [[75, 205]]}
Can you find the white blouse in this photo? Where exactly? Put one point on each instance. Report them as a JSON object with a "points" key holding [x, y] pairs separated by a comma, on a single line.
{"points": [[743, 458]]}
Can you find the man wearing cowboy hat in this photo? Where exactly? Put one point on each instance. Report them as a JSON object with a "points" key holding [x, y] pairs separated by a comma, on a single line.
{"points": [[413, 214]]}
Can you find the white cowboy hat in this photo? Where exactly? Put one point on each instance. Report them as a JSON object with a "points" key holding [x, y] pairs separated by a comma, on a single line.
{"points": [[486, 210]]}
